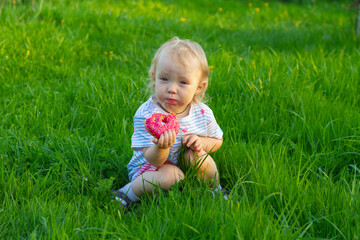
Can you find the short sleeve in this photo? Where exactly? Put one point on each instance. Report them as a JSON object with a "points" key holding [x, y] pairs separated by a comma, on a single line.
{"points": [[213, 129], [140, 138]]}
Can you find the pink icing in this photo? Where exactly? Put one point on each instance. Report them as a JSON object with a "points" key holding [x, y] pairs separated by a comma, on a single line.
{"points": [[158, 123]]}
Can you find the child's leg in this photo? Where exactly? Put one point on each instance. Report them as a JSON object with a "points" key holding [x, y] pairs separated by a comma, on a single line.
{"points": [[165, 177], [205, 163], [207, 169]]}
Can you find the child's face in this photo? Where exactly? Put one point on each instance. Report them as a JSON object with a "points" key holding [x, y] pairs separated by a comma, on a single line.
{"points": [[176, 84]]}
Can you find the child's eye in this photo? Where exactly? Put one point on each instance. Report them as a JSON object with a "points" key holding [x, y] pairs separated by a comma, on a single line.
{"points": [[183, 82], [163, 79]]}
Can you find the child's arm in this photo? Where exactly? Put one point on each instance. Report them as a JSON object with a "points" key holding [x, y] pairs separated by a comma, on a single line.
{"points": [[158, 153], [211, 144], [198, 143]]}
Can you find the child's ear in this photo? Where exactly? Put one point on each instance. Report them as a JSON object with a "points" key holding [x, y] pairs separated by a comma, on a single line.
{"points": [[153, 76], [201, 86]]}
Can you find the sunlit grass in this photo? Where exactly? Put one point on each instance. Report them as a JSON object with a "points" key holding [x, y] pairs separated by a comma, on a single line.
{"points": [[284, 87]]}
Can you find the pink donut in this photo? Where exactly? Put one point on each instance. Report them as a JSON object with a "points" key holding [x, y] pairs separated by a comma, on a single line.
{"points": [[158, 123]]}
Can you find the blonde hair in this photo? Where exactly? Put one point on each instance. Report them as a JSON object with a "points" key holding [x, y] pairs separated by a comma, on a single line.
{"points": [[186, 52]]}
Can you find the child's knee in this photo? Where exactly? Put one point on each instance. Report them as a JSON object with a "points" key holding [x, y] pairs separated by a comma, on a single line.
{"points": [[192, 157], [169, 176], [189, 156]]}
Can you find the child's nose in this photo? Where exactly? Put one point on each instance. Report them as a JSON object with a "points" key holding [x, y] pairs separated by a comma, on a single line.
{"points": [[172, 88]]}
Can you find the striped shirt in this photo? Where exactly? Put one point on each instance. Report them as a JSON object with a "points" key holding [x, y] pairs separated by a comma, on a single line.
{"points": [[200, 121]]}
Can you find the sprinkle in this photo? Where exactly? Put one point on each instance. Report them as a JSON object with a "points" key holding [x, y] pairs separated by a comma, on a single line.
{"points": [[209, 123], [184, 130], [202, 111], [183, 19]]}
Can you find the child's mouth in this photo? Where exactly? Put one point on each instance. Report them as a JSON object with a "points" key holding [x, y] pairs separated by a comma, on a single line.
{"points": [[170, 101]]}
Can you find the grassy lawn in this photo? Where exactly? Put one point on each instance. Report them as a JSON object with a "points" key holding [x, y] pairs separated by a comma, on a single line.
{"points": [[284, 87]]}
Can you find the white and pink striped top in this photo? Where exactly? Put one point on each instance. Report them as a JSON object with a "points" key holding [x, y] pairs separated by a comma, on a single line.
{"points": [[200, 121]]}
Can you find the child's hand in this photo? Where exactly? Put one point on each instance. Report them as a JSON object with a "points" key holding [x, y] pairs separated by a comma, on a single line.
{"points": [[193, 142], [166, 140]]}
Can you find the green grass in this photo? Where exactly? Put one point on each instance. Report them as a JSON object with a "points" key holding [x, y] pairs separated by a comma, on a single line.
{"points": [[284, 87]]}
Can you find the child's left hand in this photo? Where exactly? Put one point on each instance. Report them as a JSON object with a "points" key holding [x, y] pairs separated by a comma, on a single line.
{"points": [[193, 142]]}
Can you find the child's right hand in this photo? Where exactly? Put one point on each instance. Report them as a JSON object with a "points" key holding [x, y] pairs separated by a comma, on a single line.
{"points": [[166, 140]]}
